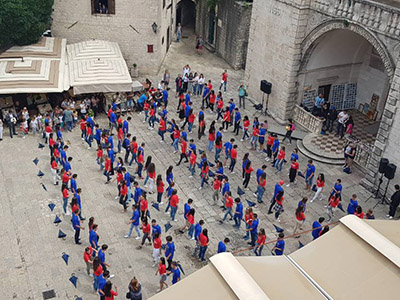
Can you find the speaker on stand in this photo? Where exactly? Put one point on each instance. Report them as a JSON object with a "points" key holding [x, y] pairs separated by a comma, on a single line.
{"points": [[382, 167], [389, 173], [266, 88]]}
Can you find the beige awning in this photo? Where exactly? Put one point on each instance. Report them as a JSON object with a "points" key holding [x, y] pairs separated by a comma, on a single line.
{"points": [[97, 66], [36, 68]]}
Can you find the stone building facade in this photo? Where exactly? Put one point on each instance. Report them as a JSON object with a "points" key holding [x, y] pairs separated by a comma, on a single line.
{"points": [[225, 29], [129, 23], [348, 50]]}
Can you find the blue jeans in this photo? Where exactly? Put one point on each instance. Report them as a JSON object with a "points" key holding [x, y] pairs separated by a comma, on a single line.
{"points": [[132, 159], [140, 168], [203, 180], [191, 169], [217, 152], [258, 253], [245, 134], [223, 84], [119, 146], [168, 206], [253, 141], [228, 212], [237, 220], [175, 144], [95, 282], [70, 125], [89, 140], [161, 133], [65, 204], [173, 212], [253, 235], [146, 179], [159, 197], [146, 115], [151, 121], [202, 252], [279, 164], [107, 174], [210, 145], [190, 127], [129, 196], [131, 229], [191, 229], [260, 193], [247, 235], [100, 164]]}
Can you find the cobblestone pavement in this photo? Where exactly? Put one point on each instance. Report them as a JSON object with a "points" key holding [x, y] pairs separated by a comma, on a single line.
{"points": [[31, 252]]}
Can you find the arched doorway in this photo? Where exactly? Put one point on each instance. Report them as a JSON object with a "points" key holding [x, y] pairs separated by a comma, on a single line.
{"points": [[186, 13]]}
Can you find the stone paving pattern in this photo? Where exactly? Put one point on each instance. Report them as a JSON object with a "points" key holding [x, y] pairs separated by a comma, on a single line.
{"points": [[31, 252]]}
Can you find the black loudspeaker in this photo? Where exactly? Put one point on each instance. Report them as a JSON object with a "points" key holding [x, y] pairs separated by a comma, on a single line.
{"points": [[390, 171], [383, 164], [266, 86]]}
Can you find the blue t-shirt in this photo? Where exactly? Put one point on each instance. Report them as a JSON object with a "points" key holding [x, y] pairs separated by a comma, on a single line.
{"points": [[98, 134], [102, 256], [73, 184], [137, 194], [142, 99], [113, 117], [75, 222], [59, 135], [135, 217], [176, 275], [111, 155], [221, 247], [294, 156], [111, 142], [338, 187], [90, 122], [205, 91], [281, 245], [275, 145], [78, 200], [254, 226], [239, 210], [237, 117], [277, 189], [101, 281], [262, 133], [127, 178], [125, 126], [228, 147], [231, 107], [67, 166], [187, 110], [93, 238], [170, 249], [201, 114], [316, 230], [197, 231], [225, 188], [301, 203], [170, 178], [187, 99], [259, 173], [186, 209], [155, 229], [310, 170], [351, 208], [165, 95], [219, 134], [245, 163]]}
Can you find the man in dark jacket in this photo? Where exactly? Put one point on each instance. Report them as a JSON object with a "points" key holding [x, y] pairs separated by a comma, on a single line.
{"points": [[331, 117], [11, 120], [395, 201]]}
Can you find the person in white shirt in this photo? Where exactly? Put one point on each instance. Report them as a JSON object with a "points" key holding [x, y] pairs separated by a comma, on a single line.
{"points": [[201, 82], [341, 126]]}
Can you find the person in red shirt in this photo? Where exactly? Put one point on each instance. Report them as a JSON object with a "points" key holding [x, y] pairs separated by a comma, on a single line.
{"points": [[211, 136], [246, 125], [278, 205], [227, 119], [192, 163], [202, 126], [262, 181], [247, 172], [300, 218], [183, 151], [107, 168], [216, 187], [162, 271], [224, 81], [146, 232], [108, 292], [133, 146], [146, 107], [65, 195], [213, 97], [254, 138], [189, 223], [191, 119], [320, 187], [99, 157], [87, 258], [174, 200], [294, 167], [248, 218], [123, 191], [97, 271], [220, 105], [233, 159], [203, 241], [359, 213], [205, 169], [270, 142], [156, 248], [120, 137], [228, 207], [140, 161], [160, 189], [260, 242], [162, 129], [280, 160], [144, 207], [152, 118], [89, 136], [83, 128], [51, 144], [334, 201], [54, 170]]}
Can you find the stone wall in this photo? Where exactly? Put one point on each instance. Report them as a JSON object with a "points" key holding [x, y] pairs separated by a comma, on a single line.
{"points": [[130, 27], [232, 29]]}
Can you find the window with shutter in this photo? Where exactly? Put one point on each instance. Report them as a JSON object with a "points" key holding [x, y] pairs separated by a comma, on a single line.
{"points": [[111, 7]]}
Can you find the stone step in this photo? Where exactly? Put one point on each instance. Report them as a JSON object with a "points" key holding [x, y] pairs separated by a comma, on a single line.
{"points": [[316, 157]]}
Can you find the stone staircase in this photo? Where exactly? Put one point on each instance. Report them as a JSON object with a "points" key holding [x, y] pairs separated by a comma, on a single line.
{"points": [[316, 155]]}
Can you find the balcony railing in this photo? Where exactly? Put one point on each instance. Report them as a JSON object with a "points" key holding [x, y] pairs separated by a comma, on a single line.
{"points": [[363, 152], [307, 120], [380, 17]]}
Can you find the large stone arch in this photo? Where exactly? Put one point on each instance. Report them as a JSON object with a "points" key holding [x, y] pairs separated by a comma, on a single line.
{"points": [[308, 43]]}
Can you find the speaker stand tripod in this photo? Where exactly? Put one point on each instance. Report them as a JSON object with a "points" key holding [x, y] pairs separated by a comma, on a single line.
{"points": [[262, 110], [383, 199]]}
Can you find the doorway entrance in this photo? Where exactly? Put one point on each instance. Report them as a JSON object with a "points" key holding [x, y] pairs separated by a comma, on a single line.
{"points": [[186, 14], [211, 27]]}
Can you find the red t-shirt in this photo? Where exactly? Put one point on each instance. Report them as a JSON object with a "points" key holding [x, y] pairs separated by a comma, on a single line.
{"points": [[174, 201], [157, 243], [220, 104], [281, 154], [56, 154], [233, 153], [48, 129], [229, 202], [152, 175], [162, 269], [361, 215], [212, 98], [246, 124], [203, 240], [140, 159], [248, 170], [65, 193], [211, 136], [217, 184], [123, 190], [54, 165], [65, 177], [270, 140], [334, 201], [83, 124], [191, 118], [88, 256], [204, 171], [301, 216], [177, 134], [320, 183], [183, 146], [113, 293], [249, 218], [279, 201], [120, 177], [107, 165], [146, 228], [152, 112], [255, 131], [224, 76], [190, 219], [98, 271], [99, 153], [160, 187], [227, 116], [89, 131], [51, 142], [120, 134], [144, 205], [294, 165], [162, 125], [262, 182], [261, 239], [146, 106], [193, 158], [134, 147]]}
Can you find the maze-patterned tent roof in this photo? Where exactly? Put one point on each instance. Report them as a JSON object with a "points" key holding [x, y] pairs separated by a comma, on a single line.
{"points": [[36, 68], [97, 66]]}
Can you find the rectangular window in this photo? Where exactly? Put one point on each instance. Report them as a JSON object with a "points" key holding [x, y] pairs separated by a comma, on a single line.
{"points": [[103, 7], [163, 4], [150, 49]]}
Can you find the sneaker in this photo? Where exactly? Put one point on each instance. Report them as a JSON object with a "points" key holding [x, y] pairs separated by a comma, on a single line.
{"points": [[161, 203], [137, 238], [89, 148], [233, 172], [390, 217], [311, 201], [68, 213], [200, 188], [241, 140], [161, 141], [167, 213], [288, 185], [126, 236], [190, 176], [112, 276], [254, 194]]}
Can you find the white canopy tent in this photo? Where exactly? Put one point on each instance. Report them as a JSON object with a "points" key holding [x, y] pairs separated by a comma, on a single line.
{"points": [[97, 66]]}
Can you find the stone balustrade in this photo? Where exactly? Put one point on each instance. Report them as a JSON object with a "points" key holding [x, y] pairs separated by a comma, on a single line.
{"points": [[307, 120], [363, 152], [377, 16]]}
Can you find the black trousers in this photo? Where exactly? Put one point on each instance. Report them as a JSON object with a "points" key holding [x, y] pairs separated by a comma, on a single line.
{"points": [[393, 208], [183, 155], [246, 180], [236, 128], [77, 232]]}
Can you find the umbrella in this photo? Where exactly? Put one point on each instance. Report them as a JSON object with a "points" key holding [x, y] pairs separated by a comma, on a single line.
{"points": [[73, 279], [211, 174], [250, 203], [41, 146], [300, 245], [199, 165], [44, 187], [278, 229], [180, 267], [167, 226], [156, 206], [40, 173], [65, 257], [240, 191], [211, 164], [300, 174], [61, 234], [51, 206], [35, 161], [201, 151], [57, 220]]}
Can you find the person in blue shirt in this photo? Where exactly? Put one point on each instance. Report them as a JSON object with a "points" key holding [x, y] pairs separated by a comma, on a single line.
{"points": [[187, 207], [165, 97], [170, 175], [176, 274], [127, 178], [225, 187], [222, 245], [228, 147], [294, 155], [155, 228], [64, 155], [238, 213], [258, 175], [101, 282], [169, 251], [197, 231], [101, 254], [77, 195], [237, 119], [138, 192], [337, 188], [253, 230], [113, 121], [231, 106], [134, 221], [275, 148], [111, 155], [97, 135], [187, 98], [206, 95], [76, 224], [125, 126], [309, 174], [278, 188], [317, 227], [73, 185], [351, 208], [280, 245], [67, 165], [111, 142], [93, 238], [141, 101], [125, 143]]}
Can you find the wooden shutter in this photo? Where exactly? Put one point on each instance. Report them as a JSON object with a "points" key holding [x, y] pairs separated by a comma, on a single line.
{"points": [[93, 10], [111, 7]]}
